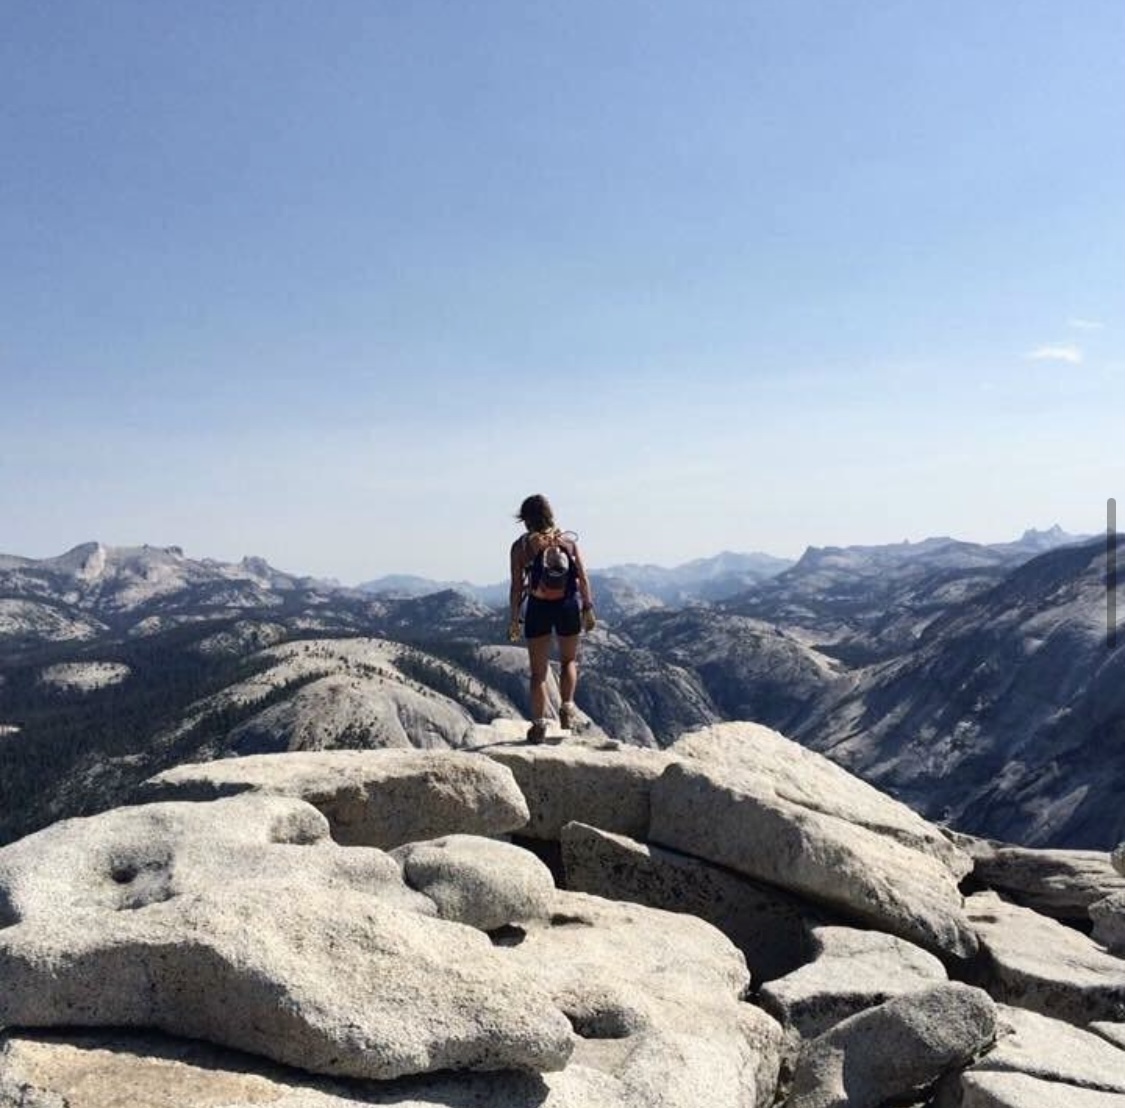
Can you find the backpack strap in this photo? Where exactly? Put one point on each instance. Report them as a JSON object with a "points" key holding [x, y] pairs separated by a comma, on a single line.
{"points": [[528, 558], [535, 543]]}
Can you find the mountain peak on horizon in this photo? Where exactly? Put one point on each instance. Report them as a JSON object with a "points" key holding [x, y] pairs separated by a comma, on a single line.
{"points": [[1054, 533]]}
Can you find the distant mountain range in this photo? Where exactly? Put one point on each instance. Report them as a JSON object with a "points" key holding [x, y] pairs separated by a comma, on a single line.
{"points": [[728, 574], [703, 579], [1006, 714], [972, 680]]}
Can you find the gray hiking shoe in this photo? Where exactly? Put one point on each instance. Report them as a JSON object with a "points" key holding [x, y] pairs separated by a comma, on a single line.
{"points": [[537, 732], [568, 715]]}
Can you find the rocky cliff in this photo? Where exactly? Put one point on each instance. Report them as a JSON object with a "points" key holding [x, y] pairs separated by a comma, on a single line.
{"points": [[734, 920]]}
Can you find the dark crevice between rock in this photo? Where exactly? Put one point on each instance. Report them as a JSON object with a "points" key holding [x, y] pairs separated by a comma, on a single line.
{"points": [[608, 1023], [561, 919], [979, 971], [548, 851], [507, 935]]}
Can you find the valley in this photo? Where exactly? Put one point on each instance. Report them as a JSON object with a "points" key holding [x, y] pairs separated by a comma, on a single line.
{"points": [[971, 681]]}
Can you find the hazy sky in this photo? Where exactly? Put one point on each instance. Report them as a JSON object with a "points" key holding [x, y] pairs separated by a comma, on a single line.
{"points": [[337, 283]]}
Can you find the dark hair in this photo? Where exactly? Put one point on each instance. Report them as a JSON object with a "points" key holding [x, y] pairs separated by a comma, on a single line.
{"points": [[536, 513]]}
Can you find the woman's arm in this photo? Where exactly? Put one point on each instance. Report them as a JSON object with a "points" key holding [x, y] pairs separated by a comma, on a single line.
{"points": [[584, 589], [515, 590]]}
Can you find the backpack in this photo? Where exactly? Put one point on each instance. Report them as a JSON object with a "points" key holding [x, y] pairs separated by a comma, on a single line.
{"points": [[553, 573]]}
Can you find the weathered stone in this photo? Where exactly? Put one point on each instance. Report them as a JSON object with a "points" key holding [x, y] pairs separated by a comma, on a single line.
{"points": [[1117, 858], [505, 732], [1112, 1032], [1051, 1050], [381, 798], [1108, 915], [653, 996], [655, 999], [309, 977], [889, 1053], [808, 780], [573, 782], [239, 922], [1018, 1090], [767, 925], [128, 858], [1039, 1062], [352, 977], [1057, 883], [1041, 964], [852, 970], [732, 816], [480, 882], [121, 1069]]}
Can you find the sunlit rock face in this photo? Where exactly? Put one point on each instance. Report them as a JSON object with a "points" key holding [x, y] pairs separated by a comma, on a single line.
{"points": [[358, 927]]}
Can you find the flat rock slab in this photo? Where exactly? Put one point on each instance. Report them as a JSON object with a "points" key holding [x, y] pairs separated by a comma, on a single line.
{"points": [[1058, 883], [115, 1069], [239, 922], [380, 798], [808, 780], [655, 998], [604, 788], [1112, 1032], [893, 1052], [767, 925], [1019, 1090], [128, 858], [513, 732], [851, 970], [1041, 964], [727, 812], [329, 980], [1051, 1050]]}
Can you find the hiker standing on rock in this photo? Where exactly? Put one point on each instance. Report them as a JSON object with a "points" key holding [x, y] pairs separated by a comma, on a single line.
{"points": [[547, 570]]}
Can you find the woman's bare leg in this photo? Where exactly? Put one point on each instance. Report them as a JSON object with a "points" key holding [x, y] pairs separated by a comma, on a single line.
{"points": [[539, 657], [568, 665]]}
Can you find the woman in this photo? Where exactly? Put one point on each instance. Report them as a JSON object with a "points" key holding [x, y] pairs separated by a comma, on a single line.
{"points": [[564, 607]]}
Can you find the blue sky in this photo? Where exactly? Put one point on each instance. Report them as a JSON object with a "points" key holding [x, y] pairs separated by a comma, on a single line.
{"points": [[339, 283]]}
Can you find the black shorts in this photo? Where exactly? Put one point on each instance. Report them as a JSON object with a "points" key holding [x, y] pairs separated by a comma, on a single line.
{"points": [[564, 617]]}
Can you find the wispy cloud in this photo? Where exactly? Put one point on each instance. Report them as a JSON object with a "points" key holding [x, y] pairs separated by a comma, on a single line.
{"points": [[1070, 354], [1084, 324]]}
